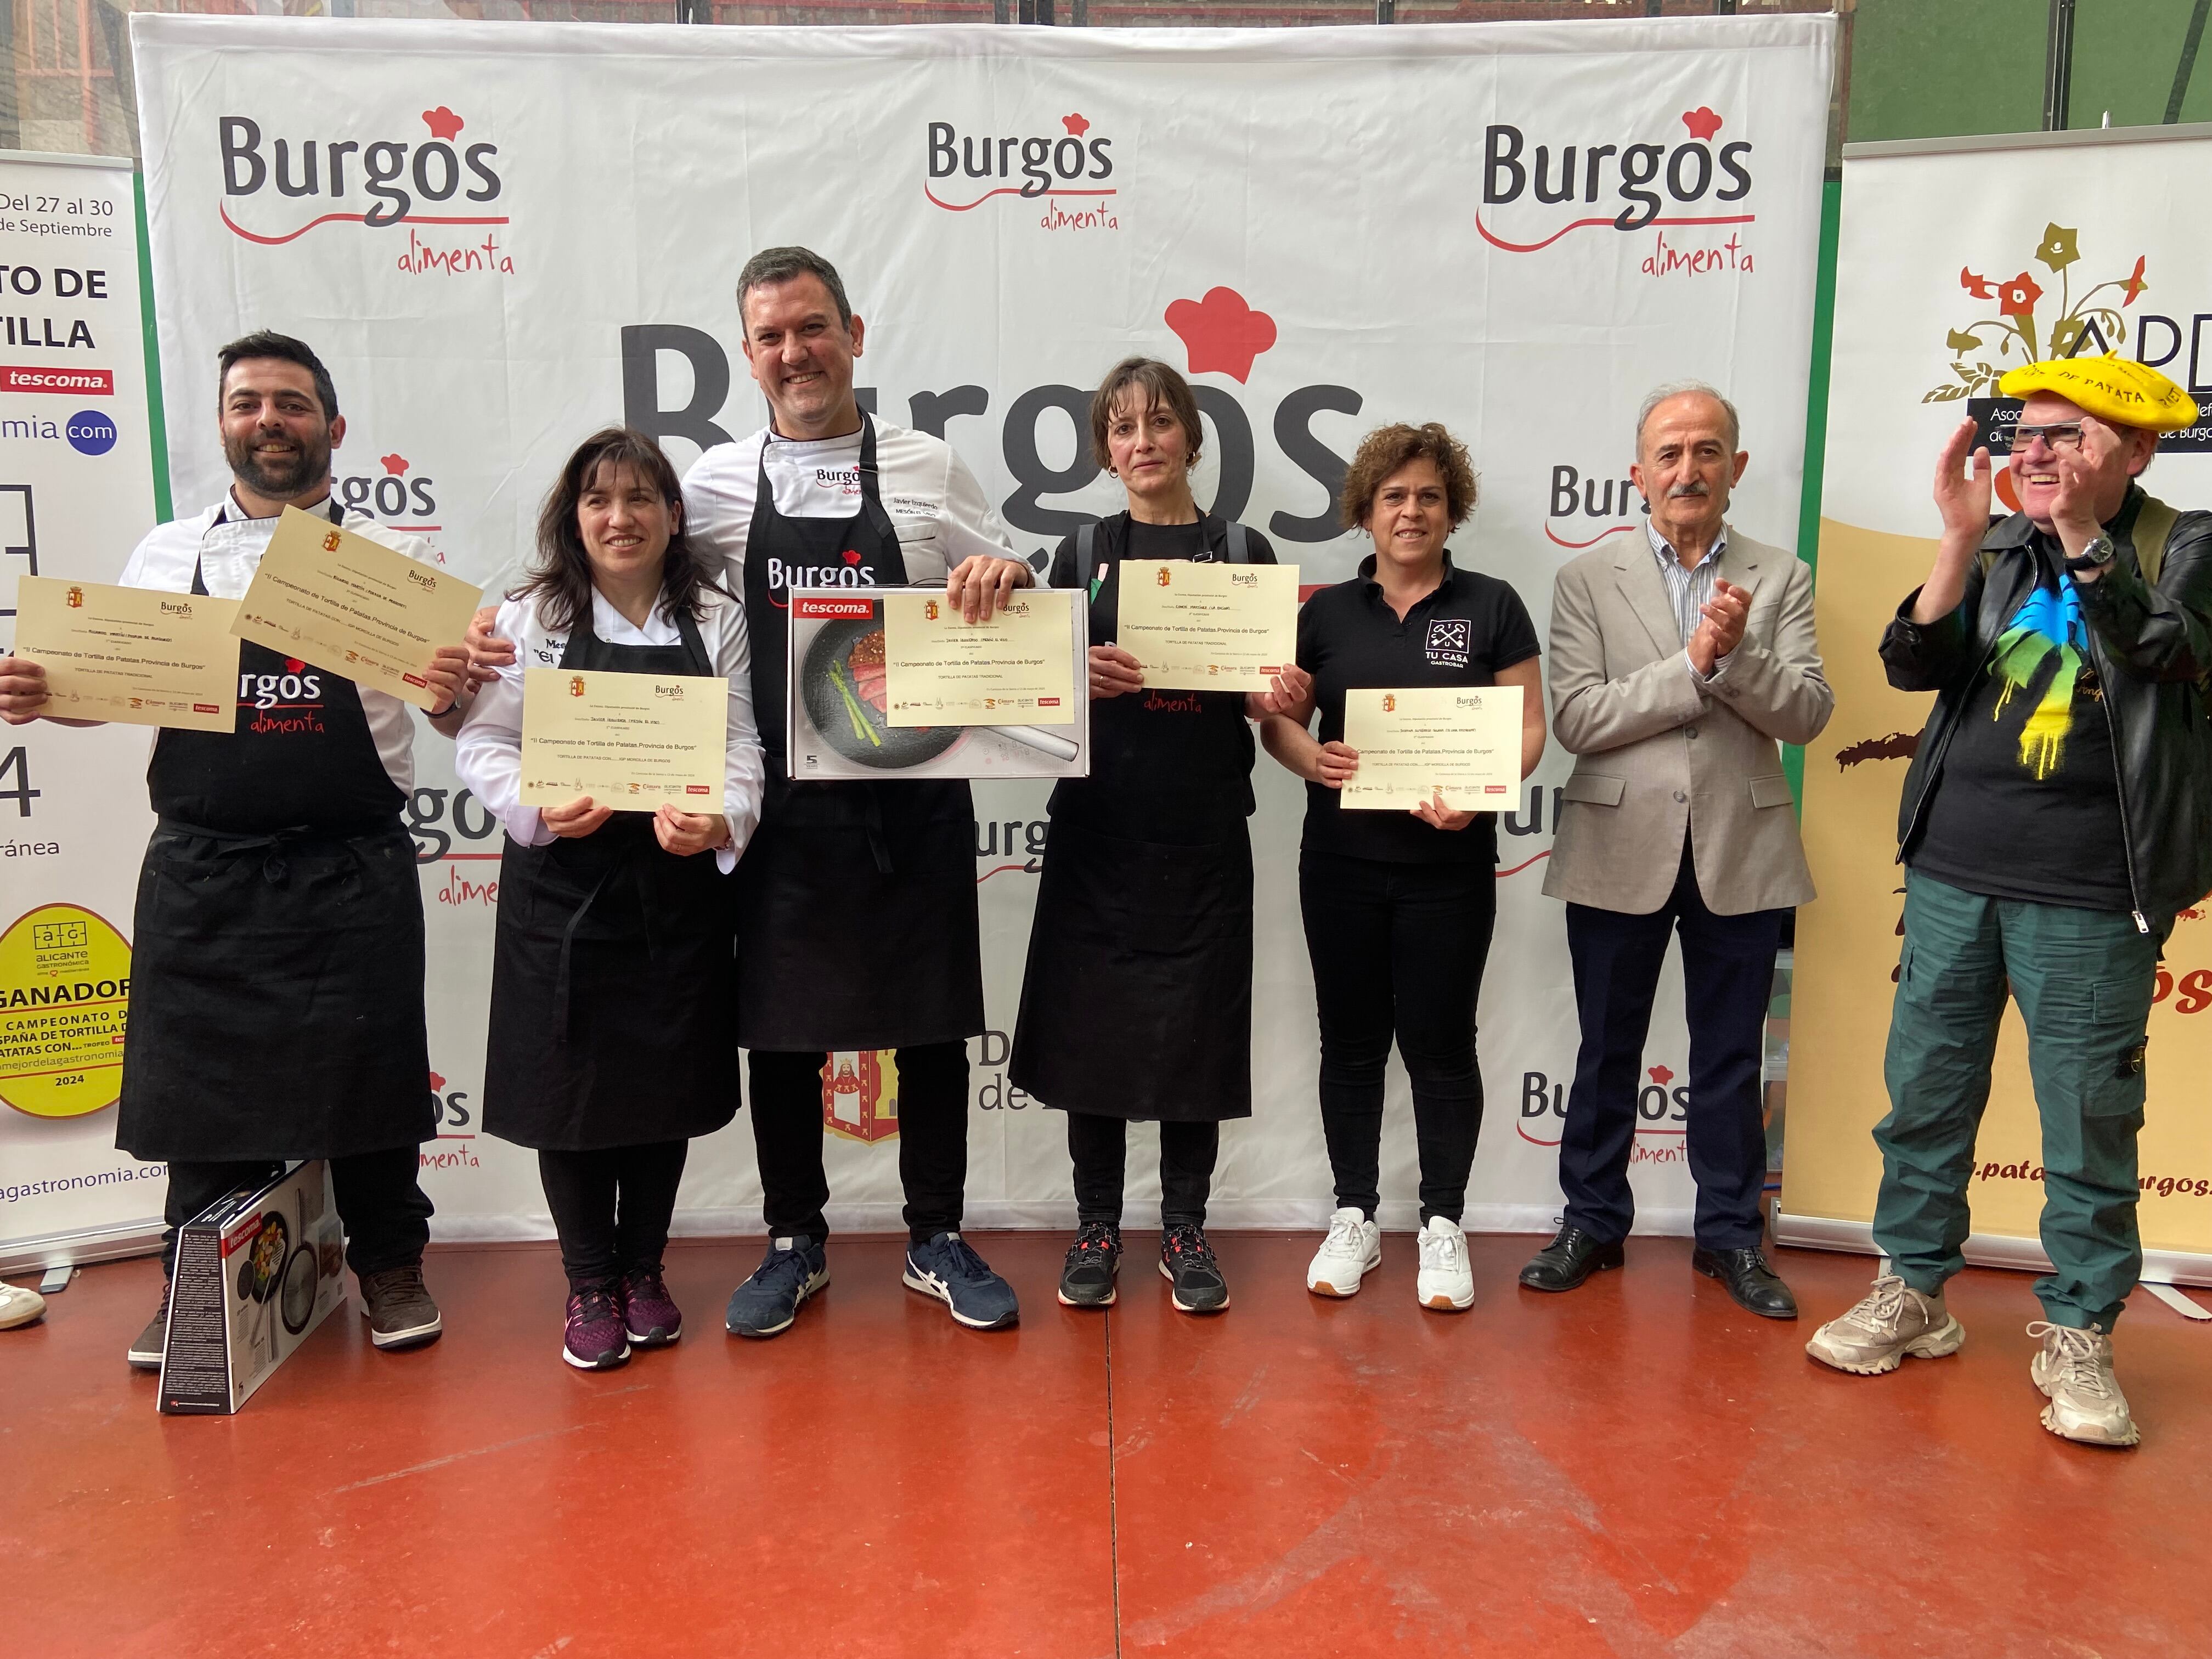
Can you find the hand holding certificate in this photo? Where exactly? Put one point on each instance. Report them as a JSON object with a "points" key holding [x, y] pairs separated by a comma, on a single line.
{"points": [[1461, 742], [135, 655], [629, 741], [1208, 627], [1016, 668], [337, 599]]}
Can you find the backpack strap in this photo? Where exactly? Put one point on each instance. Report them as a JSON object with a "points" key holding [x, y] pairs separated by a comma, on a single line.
{"points": [[1240, 544], [2153, 528], [1086, 552]]}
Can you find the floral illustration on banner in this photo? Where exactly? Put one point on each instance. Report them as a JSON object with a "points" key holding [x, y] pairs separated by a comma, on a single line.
{"points": [[2015, 329]]}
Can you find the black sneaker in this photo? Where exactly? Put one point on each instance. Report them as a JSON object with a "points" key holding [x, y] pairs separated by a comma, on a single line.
{"points": [[1186, 1262], [794, 1269], [398, 1307], [1094, 1261], [145, 1353]]}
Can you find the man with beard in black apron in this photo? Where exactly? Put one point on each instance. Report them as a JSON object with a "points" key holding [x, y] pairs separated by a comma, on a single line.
{"points": [[276, 1003], [857, 922]]}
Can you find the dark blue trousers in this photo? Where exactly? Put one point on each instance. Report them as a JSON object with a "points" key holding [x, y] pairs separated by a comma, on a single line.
{"points": [[1728, 973]]}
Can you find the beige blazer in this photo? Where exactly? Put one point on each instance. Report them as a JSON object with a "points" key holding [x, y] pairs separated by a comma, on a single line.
{"points": [[1659, 753]]}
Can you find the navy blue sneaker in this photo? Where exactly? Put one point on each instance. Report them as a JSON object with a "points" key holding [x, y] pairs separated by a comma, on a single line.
{"points": [[948, 1268], [792, 1270]]}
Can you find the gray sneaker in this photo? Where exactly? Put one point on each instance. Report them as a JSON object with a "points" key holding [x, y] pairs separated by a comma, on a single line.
{"points": [[2074, 1372], [1891, 1320]]}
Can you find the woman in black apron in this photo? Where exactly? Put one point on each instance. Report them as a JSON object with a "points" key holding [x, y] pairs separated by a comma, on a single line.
{"points": [[611, 1039], [1137, 1001]]}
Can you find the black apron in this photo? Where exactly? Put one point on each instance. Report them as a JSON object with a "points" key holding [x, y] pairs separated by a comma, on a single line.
{"points": [[277, 996], [857, 925], [1137, 998], [611, 1023]]}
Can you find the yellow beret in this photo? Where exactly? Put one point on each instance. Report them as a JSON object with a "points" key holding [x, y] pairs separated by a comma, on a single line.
{"points": [[2115, 389]]}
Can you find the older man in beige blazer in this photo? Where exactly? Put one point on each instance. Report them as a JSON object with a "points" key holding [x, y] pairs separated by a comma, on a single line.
{"points": [[1681, 656]]}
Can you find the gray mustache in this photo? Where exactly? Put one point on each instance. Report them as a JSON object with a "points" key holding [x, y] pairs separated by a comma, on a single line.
{"points": [[1693, 488]]}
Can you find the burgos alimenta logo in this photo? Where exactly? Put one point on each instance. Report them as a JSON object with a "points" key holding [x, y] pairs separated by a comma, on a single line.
{"points": [[1067, 171], [283, 186], [1551, 186]]}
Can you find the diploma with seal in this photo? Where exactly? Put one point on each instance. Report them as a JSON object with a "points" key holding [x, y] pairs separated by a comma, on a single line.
{"points": [[1462, 741], [137, 656], [1016, 669], [1206, 627], [629, 741], [335, 598]]}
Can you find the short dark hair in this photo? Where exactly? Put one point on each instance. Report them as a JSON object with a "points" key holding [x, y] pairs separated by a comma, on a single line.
{"points": [[1388, 448], [781, 265], [1160, 385], [266, 342], [559, 579]]}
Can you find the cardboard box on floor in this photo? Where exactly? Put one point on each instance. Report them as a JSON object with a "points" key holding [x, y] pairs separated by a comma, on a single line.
{"points": [[257, 1270]]}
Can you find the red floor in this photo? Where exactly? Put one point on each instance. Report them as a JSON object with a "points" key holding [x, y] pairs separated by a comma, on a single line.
{"points": [[1635, 1469]]}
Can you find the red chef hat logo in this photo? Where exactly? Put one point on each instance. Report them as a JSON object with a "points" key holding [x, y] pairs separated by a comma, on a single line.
{"points": [[1076, 126], [851, 556], [1702, 123], [1222, 333], [396, 465], [293, 665], [1661, 1075], [442, 123]]}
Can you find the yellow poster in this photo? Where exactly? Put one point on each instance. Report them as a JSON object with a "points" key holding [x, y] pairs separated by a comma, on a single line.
{"points": [[65, 999]]}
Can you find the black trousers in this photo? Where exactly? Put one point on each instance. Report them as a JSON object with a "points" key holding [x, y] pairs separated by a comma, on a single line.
{"points": [[933, 1112], [611, 1207], [385, 1212], [1728, 975], [1100, 1149], [1398, 950]]}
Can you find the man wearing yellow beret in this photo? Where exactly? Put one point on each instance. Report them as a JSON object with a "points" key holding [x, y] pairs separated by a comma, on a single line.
{"points": [[2052, 823]]}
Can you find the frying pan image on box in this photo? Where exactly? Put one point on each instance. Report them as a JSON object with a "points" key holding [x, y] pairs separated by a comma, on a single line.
{"points": [[840, 682], [296, 1298]]}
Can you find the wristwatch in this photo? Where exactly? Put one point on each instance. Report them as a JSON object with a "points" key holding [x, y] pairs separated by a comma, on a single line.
{"points": [[2095, 556]]}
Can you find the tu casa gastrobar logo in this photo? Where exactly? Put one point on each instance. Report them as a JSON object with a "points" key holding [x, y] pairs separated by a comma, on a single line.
{"points": [[277, 188], [1634, 182]]}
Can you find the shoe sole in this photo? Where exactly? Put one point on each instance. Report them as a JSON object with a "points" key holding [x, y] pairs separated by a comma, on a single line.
{"points": [[1937, 1343], [1598, 1265], [141, 1361], [1446, 1304], [1182, 1306], [2085, 1435], [654, 1339], [944, 1293], [819, 1282], [1106, 1301], [407, 1338], [1764, 1313], [602, 1363], [1322, 1287]]}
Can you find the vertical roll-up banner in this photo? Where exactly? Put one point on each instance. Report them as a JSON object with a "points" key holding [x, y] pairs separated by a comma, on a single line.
{"points": [[76, 491], [1959, 260], [501, 235]]}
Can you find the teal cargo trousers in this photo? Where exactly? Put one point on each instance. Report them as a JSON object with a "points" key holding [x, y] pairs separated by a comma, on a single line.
{"points": [[2084, 981]]}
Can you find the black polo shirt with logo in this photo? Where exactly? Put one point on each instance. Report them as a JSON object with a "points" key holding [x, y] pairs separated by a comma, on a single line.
{"points": [[1463, 634]]}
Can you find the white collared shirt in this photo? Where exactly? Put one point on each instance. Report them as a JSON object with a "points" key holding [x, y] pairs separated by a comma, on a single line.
{"points": [[1690, 591]]}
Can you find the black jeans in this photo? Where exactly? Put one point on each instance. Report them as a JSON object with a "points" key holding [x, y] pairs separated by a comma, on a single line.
{"points": [[933, 1113], [385, 1212], [1100, 1148], [1728, 979], [611, 1207], [1398, 950]]}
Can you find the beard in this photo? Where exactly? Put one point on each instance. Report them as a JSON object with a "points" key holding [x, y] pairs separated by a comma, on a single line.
{"points": [[278, 477]]}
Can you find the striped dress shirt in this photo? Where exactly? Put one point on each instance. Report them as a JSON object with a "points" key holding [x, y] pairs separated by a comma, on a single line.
{"points": [[1690, 591]]}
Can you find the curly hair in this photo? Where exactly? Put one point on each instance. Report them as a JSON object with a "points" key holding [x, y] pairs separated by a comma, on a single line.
{"points": [[1388, 448]]}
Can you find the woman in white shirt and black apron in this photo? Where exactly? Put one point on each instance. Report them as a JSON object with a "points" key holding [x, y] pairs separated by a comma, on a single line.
{"points": [[612, 1040], [1137, 999]]}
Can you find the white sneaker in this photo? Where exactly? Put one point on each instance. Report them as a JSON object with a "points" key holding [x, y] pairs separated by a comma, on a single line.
{"points": [[1446, 1282], [1352, 1249], [19, 1306], [2073, 1369]]}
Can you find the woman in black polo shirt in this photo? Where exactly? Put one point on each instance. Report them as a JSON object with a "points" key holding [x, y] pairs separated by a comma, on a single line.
{"points": [[1399, 906], [1137, 1001]]}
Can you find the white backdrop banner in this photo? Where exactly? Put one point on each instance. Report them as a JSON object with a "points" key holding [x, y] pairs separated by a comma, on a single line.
{"points": [[502, 235], [76, 491]]}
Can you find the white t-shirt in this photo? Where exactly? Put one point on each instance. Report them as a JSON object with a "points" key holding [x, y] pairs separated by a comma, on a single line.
{"points": [[934, 502], [488, 754], [165, 561]]}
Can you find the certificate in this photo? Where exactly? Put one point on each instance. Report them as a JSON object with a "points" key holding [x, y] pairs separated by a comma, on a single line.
{"points": [[1462, 741], [1016, 669], [135, 655], [1209, 627], [342, 602], [629, 741]]}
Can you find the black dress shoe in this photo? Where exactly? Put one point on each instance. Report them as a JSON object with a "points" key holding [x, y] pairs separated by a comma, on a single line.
{"points": [[1569, 1259], [1755, 1286]]}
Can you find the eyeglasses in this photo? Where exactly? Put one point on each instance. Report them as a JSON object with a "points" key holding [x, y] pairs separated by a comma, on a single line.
{"points": [[2065, 435]]}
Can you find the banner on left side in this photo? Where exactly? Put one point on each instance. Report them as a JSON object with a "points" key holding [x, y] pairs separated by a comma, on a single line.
{"points": [[77, 492]]}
